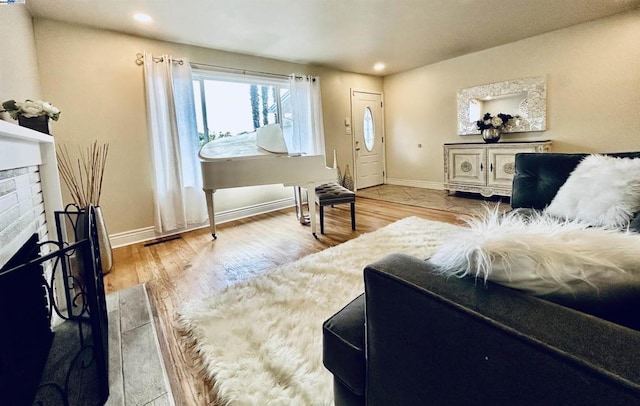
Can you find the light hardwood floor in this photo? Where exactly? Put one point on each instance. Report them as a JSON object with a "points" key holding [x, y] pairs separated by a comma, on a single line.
{"points": [[187, 268]]}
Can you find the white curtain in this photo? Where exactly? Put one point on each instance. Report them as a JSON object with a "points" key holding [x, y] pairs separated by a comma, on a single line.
{"points": [[178, 196], [307, 130]]}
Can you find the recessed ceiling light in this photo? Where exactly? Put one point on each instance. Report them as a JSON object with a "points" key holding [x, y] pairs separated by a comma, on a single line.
{"points": [[379, 66], [142, 18]]}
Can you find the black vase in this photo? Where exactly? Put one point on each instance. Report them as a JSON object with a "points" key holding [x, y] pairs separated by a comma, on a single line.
{"points": [[40, 123]]}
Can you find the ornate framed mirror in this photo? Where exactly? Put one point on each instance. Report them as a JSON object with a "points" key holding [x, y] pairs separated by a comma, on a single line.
{"points": [[525, 99]]}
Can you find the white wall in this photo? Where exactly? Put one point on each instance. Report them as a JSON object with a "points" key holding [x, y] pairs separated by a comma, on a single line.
{"points": [[336, 104], [18, 63], [593, 100], [92, 77]]}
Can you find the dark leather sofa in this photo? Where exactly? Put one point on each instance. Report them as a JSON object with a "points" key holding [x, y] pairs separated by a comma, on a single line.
{"points": [[429, 340]]}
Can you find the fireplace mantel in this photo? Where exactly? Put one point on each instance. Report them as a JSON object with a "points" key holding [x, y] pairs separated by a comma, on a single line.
{"points": [[21, 147]]}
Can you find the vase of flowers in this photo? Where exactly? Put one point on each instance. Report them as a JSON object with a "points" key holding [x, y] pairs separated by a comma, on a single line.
{"points": [[491, 127], [33, 114]]}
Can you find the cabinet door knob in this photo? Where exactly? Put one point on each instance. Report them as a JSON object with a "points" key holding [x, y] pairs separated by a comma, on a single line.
{"points": [[491, 168], [481, 167]]}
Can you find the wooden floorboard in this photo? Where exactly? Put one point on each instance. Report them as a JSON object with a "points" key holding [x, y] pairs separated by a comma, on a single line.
{"points": [[190, 268]]}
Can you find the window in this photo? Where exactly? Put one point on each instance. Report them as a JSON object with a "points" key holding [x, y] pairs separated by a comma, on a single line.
{"points": [[367, 128], [231, 105]]}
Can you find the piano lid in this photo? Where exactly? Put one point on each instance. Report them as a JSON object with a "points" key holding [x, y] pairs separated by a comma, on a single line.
{"points": [[242, 146], [270, 137]]}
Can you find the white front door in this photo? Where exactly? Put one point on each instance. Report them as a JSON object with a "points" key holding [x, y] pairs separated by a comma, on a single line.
{"points": [[368, 143]]}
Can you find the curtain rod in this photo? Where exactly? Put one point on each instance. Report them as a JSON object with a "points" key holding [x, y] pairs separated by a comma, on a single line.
{"points": [[243, 71], [140, 61], [156, 59]]}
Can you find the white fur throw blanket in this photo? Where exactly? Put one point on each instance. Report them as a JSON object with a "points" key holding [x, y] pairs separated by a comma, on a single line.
{"points": [[539, 253]]}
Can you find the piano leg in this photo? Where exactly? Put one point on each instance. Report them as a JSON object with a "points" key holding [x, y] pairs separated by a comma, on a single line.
{"points": [[311, 201], [212, 220], [297, 195]]}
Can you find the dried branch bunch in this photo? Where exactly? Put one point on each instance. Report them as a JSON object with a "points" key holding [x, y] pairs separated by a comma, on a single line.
{"points": [[84, 176]]}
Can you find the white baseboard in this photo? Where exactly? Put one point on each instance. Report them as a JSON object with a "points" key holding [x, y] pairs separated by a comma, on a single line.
{"points": [[149, 233], [240, 213], [132, 237], [416, 183]]}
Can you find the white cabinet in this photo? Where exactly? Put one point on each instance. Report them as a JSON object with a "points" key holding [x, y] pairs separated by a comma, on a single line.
{"points": [[484, 168]]}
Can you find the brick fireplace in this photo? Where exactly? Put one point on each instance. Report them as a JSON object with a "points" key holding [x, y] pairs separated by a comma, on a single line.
{"points": [[29, 195], [29, 187]]}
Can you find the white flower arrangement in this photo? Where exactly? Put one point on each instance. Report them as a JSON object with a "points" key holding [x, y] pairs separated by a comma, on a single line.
{"points": [[30, 108], [499, 121]]}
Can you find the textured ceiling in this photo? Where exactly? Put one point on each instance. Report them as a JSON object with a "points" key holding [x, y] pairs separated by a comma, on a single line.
{"points": [[350, 35]]}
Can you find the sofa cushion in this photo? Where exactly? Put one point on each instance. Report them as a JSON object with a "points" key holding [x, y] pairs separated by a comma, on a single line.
{"points": [[343, 345], [539, 176], [602, 190]]}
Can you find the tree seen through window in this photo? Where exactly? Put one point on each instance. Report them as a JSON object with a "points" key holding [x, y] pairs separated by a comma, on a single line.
{"points": [[227, 107]]}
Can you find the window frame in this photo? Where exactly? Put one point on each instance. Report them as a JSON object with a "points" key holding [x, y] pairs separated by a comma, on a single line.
{"points": [[201, 75]]}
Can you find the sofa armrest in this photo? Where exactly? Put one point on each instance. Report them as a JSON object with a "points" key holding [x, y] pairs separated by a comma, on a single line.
{"points": [[458, 341]]}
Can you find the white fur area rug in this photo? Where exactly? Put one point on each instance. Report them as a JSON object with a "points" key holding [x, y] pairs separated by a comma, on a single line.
{"points": [[261, 339]]}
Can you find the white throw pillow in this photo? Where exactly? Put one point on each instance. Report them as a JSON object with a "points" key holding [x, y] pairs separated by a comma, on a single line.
{"points": [[540, 254], [602, 190]]}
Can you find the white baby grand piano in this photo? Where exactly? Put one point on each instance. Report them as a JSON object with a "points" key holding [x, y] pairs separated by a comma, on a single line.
{"points": [[239, 161]]}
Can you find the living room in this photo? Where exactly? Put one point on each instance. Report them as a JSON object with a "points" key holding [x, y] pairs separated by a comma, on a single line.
{"points": [[591, 71]]}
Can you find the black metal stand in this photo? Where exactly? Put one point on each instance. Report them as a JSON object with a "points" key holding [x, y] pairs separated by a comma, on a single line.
{"points": [[73, 351]]}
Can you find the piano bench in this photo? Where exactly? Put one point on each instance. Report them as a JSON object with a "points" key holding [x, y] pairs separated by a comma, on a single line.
{"points": [[332, 194]]}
